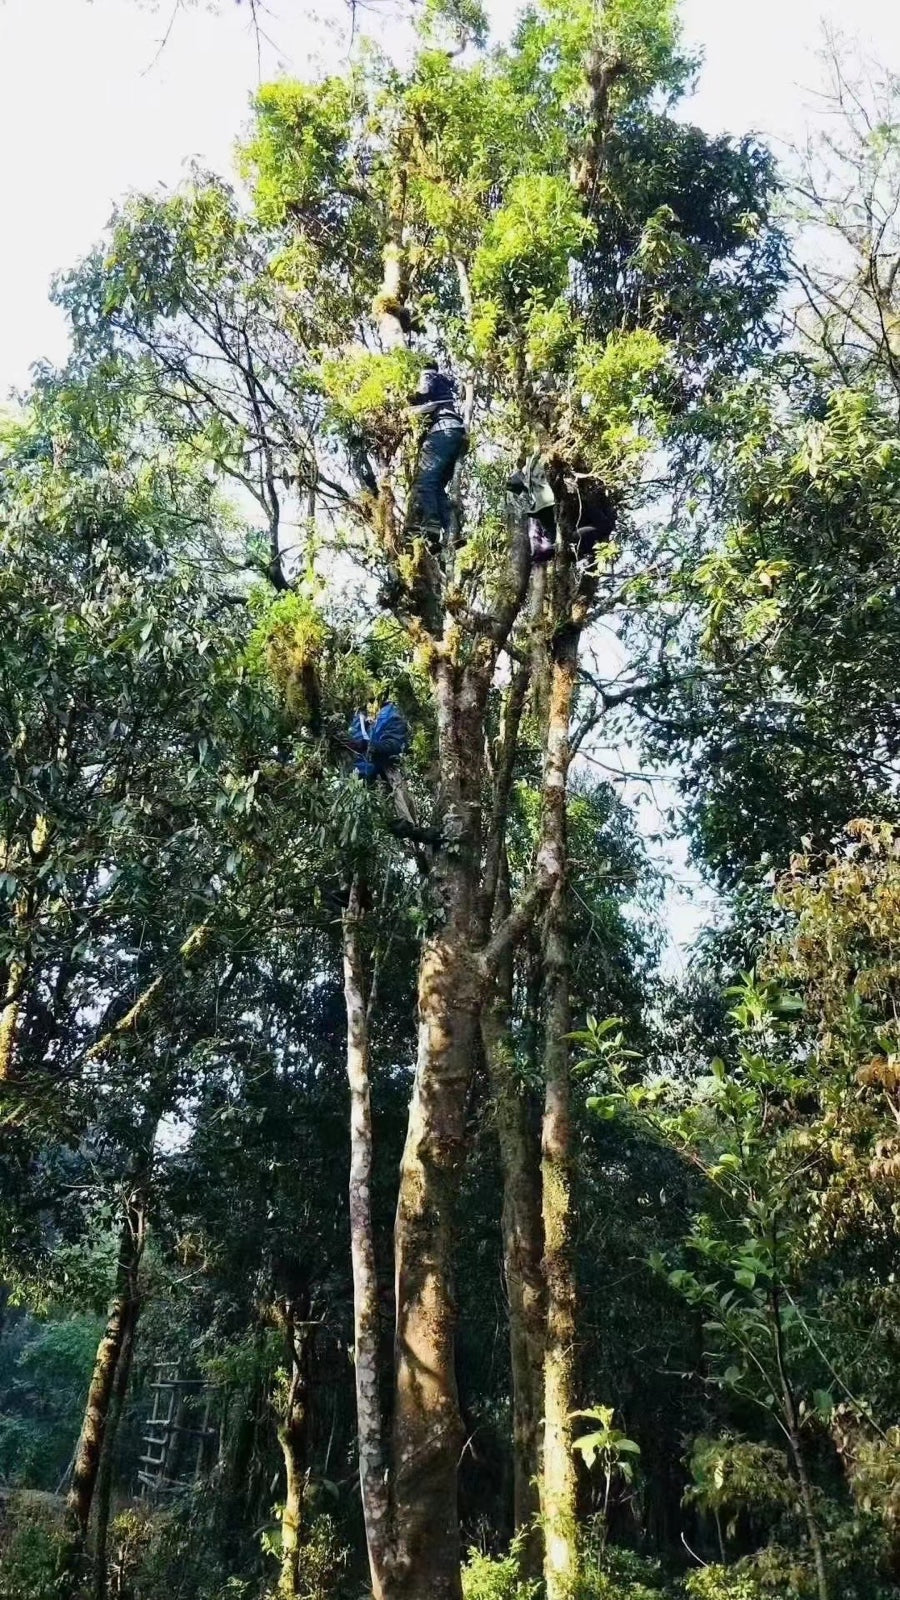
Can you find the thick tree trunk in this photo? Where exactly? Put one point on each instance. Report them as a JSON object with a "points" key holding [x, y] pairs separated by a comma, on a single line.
{"points": [[107, 1459], [558, 1487], [370, 1431], [109, 1353], [522, 1251], [293, 1437], [455, 973], [427, 1432], [455, 970], [519, 1150]]}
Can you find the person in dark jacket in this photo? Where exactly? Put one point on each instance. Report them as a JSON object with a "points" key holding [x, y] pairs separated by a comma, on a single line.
{"points": [[442, 442], [532, 499]]}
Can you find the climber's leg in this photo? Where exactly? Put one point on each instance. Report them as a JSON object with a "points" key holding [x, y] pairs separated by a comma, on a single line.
{"points": [[430, 512], [542, 535]]}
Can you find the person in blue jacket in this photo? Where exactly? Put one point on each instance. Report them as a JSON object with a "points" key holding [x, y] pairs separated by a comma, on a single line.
{"points": [[442, 442]]}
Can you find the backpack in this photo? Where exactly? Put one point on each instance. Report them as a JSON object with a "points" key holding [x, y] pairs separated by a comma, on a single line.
{"points": [[380, 744]]}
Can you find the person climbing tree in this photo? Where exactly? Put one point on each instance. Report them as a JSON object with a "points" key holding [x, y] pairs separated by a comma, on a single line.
{"points": [[595, 519], [532, 497], [442, 443]]}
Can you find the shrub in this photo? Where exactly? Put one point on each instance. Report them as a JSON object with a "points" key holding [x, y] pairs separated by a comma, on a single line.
{"points": [[160, 1553], [617, 1574], [32, 1542], [487, 1577], [722, 1583]]}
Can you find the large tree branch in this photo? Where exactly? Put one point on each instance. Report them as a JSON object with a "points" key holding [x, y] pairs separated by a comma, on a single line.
{"points": [[194, 942], [523, 915]]}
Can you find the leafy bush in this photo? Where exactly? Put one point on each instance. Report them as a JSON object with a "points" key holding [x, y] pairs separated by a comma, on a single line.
{"points": [[30, 1548], [487, 1577], [622, 1575], [42, 1390], [731, 1476], [159, 1554], [722, 1583], [323, 1559]]}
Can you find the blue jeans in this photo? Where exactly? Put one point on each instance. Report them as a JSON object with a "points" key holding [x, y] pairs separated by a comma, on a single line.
{"points": [[430, 511]]}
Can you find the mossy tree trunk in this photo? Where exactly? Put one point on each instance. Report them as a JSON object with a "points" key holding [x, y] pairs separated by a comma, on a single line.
{"points": [[112, 1348], [107, 1458], [558, 1486], [291, 1317], [369, 1423], [522, 1240]]}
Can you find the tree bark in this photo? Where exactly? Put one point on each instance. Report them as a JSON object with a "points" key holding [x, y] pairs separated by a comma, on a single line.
{"points": [[370, 1431], [558, 1486], [9, 1019], [389, 308], [293, 1435], [522, 1251], [519, 1152], [109, 1353], [197, 940], [427, 1432], [107, 1458], [17, 968]]}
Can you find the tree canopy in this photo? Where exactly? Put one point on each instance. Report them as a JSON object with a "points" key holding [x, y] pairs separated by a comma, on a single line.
{"points": [[377, 1211]]}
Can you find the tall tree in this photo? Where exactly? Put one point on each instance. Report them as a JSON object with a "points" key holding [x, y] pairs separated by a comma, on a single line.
{"points": [[567, 247]]}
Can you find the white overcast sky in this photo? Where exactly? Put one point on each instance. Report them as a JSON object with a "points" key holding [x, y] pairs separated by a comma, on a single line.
{"points": [[87, 114], [90, 108]]}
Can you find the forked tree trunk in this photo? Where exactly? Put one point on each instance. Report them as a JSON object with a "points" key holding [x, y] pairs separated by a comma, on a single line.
{"points": [[522, 1249], [519, 1151], [558, 1487], [369, 1424], [455, 973], [109, 1353], [424, 1557]]}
